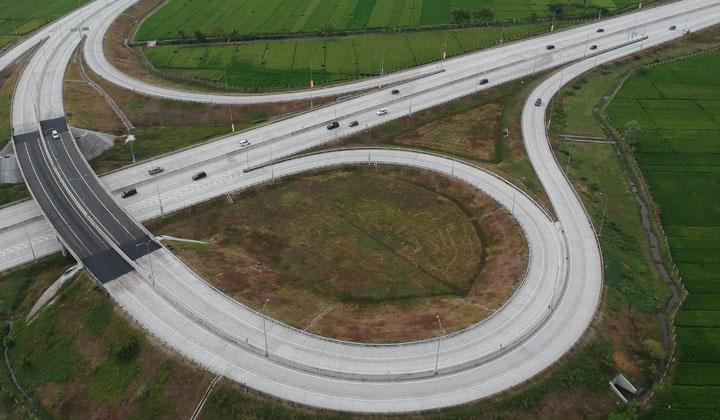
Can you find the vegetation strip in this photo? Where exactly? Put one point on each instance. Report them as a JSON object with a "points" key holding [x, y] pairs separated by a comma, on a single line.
{"points": [[183, 19], [668, 115]]}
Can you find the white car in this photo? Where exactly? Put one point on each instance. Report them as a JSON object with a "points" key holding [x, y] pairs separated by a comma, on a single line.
{"points": [[382, 111], [244, 143], [54, 134]]}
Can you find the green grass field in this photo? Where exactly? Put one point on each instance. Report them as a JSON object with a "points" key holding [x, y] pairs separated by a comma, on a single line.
{"points": [[20, 17], [223, 18], [288, 63], [677, 106], [80, 358]]}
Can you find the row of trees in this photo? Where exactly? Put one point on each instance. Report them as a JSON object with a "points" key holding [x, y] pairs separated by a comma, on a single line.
{"points": [[459, 17], [463, 16]]}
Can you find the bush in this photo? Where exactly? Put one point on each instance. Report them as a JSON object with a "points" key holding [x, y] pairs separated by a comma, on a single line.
{"points": [[126, 351], [653, 349], [7, 395]]}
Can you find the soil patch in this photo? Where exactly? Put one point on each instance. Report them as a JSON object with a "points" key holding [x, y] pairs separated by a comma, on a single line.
{"points": [[359, 254]]}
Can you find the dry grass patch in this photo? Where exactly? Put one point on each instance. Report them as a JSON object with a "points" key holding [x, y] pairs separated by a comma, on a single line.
{"points": [[379, 252]]}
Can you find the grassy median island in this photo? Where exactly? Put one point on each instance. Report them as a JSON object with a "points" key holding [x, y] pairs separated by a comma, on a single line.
{"points": [[161, 126], [282, 64], [380, 251]]}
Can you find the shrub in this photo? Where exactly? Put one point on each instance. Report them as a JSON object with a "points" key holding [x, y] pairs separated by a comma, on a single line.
{"points": [[127, 350], [653, 349]]}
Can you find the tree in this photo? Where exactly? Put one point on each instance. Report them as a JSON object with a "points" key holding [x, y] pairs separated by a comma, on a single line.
{"points": [[633, 132], [200, 36], [182, 34], [556, 9], [484, 15], [460, 15], [653, 349], [127, 350]]}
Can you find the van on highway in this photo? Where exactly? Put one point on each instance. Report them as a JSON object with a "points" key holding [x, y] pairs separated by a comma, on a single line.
{"points": [[155, 171], [54, 134], [483, 82], [550, 47], [128, 193], [199, 175]]}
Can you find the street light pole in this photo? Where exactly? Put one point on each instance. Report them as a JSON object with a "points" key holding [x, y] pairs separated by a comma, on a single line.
{"points": [[262, 312], [152, 271], [514, 191], [437, 355], [157, 190], [602, 220], [368, 131], [30, 242], [227, 92], [452, 168]]}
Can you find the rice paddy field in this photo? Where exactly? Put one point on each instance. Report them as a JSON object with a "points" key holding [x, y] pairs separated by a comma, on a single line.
{"points": [[20, 17], [292, 62], [219, 18], [677, 105]]}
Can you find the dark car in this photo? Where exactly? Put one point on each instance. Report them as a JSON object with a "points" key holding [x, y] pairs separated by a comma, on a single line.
{"points": [[483, 81], [155, 171], [672, 28], [600, 30], [550, 47], [593, 47], [333, 125], [199, 175], [354, 124], [395, 91], [128, 193], [538, 102]]}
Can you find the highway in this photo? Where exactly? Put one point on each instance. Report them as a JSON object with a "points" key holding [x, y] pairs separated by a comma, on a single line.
{"points": [[220, 155], [541, 322]]}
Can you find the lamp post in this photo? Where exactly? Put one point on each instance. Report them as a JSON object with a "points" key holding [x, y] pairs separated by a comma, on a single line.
{"points": [[368, 131], [452, 167], [514, 190], [157, 190], [30, 242], [152, 272], [602, 220], [230, 110], [437, 355], [262, 312]]}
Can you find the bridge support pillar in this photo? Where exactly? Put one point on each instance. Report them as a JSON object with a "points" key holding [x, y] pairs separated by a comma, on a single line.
{"points": [[62, 247]]}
